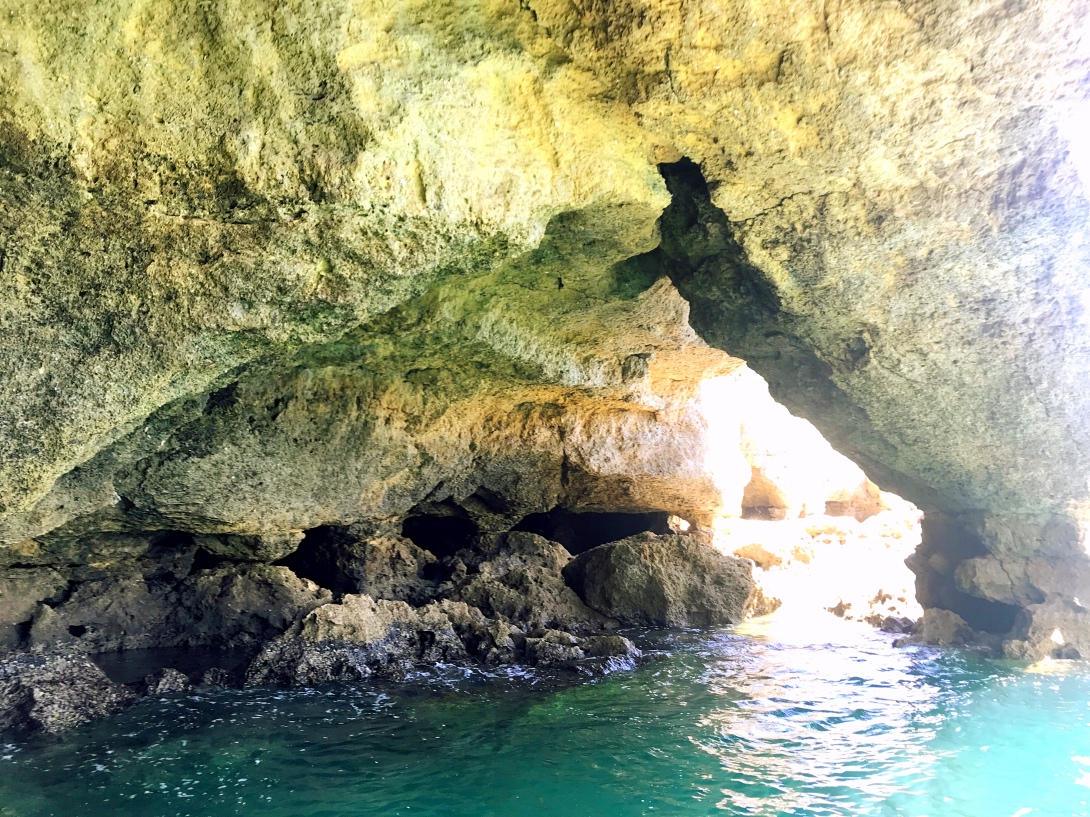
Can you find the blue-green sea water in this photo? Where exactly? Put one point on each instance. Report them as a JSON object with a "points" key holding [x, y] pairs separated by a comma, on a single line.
{"points": [[750, 722]]}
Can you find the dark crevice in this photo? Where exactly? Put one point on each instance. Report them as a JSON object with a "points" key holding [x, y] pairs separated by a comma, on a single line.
{"points": [[320, 557], [946, 544], [735, 306], [205, 560], [221, 399], [440, 535], [579, 532]]}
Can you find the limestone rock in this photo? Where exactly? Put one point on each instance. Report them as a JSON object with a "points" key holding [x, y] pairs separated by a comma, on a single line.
{"points": [[167, 681], [554, 648], [671, 581], [244, 605], [261, 547], [1053, 629], [55, 692], [524, 584], [119, 612], [944, 629], [360, 560], [360, 636], [321, 299], [229, 606], [21, 590]]}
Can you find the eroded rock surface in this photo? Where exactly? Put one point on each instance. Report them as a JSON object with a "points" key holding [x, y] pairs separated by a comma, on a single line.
{"points": [[664, 581], [55, 692], [260, 274]]}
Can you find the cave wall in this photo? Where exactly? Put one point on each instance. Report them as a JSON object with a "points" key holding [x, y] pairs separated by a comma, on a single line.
{"points": [[242, 235]]}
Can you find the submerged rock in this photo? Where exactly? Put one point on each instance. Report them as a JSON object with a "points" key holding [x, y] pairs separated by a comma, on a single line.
{"points": [[671, 581], [166, 682], [55, 692]]}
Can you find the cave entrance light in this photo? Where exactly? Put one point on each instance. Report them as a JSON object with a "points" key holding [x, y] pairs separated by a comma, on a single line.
{"points": [[822, 535]]}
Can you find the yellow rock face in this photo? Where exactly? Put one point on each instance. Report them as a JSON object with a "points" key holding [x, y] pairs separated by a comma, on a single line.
{"points": [[395, 214]]}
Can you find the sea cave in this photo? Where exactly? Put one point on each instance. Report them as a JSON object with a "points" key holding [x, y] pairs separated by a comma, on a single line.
{"points": [[525, 408]]}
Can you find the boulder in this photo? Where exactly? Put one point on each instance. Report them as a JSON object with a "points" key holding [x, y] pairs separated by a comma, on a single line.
{"points": [[21, 590], [55, 692], [228, 606], [359, 559], [1053, 629], [167, 681], [663, 581], [354, 640], [242, 605], [524, 584], [122, 611], [942, 628]]}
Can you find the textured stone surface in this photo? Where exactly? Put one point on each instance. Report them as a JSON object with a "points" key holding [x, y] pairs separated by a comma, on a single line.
{"points": [[229, 606], [525, 584], [55, 692], [663, 581], [359, 559], [268, 269], [20, 593]]}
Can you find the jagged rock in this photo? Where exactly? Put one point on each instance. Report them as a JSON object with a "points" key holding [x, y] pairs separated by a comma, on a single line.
{"points": [[21, 590], [762, 603], [353, 640], [610, 646], [55, 692], [554, 648], [358, 559], [119, 612], [167, 681], [258, 547], [1023, 581], [216, 677], [238, 605], [672, 581], [895, 624], [524, 584], [229, 606], [1055, 629], [942, 628]]}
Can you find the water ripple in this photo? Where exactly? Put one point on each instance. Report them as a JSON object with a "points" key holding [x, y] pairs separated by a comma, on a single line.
{"points": [[752, 722]]}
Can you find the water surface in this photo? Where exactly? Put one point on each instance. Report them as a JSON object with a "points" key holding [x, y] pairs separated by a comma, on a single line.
{"points": [[763, 721]]}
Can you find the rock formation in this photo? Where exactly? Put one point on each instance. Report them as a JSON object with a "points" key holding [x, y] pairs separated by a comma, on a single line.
{"points": [[273, 274], [663, 581]]}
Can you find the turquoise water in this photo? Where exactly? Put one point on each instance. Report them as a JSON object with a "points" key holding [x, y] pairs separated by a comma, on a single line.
{"points": [[753, 722]]}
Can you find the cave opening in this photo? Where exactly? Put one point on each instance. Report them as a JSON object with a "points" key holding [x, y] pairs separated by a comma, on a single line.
{"points": [[319, 558], [579, 531], [440, 535]]}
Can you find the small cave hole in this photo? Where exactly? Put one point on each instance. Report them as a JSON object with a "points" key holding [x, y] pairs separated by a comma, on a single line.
{"points": [[77, 630], [581, 531], [323, 557], [440, 535], [985, 615], [206, 560]]}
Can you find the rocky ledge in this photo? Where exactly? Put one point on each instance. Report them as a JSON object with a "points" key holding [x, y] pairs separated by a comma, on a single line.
{"points": [[501, 599]]}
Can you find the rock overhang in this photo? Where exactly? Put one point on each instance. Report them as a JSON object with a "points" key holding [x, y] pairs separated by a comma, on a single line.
{"points": [[210, 212]]}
